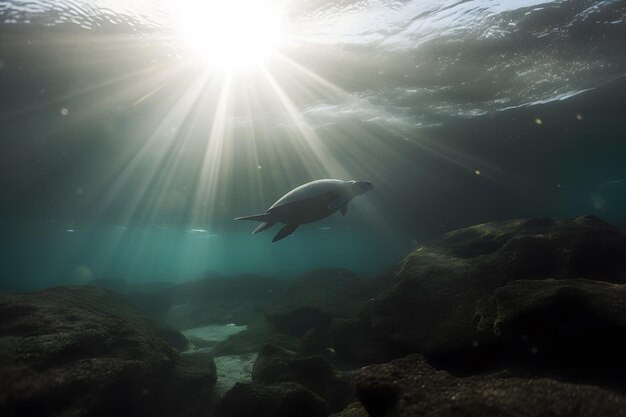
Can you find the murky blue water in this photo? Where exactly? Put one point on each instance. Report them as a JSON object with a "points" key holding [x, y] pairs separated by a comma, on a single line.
{"points": [[125, 155]]}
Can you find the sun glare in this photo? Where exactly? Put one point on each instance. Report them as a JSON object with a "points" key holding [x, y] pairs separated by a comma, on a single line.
{"points": [[231, 33]]}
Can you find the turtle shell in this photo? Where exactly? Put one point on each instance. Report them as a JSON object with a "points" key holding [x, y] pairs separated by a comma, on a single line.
{"points": [[309, 190]]}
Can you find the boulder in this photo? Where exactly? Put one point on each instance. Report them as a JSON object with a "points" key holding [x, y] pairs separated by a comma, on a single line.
{"points": [[171, 336], [354, 409], [83, 351], [409, 387], [316, 297], [196, 376], [275, 365], [434, 292], [278, 400], [575, 327], [354, 342]]}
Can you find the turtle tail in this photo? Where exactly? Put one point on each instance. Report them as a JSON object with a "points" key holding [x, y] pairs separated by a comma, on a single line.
{"points": [[263, 217]]}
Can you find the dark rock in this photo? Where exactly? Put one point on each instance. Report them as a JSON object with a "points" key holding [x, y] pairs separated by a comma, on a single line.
{"points": [[279, 400], [316, 297], [314, 342], [171, 336], [355, 409], [410, 387], [353, 340], [196, 377], [431, 306], [574, 326], [275, 365], [82, 351]]}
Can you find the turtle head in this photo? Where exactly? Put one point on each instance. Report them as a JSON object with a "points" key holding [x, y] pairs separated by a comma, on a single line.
{"points": [[361, 187]]}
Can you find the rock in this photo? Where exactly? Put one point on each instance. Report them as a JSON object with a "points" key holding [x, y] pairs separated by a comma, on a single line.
{"points": [[314, 342], [577, 327], [171, 336], [279, 400], [316, 297], [196, 377], [82, 351], [354, 409], [353, 340], [410, 387], [430, 307], [276, 365]]}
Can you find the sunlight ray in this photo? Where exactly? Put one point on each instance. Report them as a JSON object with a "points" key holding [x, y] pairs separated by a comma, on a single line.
{"points": [[154, 150], [310, 147], [214, 161], [96, 87]]}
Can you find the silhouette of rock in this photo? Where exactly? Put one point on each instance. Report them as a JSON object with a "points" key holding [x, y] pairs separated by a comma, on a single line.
{"points": [[275, 365], [316, 297], [354, 341]]}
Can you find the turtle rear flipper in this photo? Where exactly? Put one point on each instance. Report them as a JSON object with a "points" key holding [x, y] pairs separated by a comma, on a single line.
{"points": [[263, 226], [284, 232]]}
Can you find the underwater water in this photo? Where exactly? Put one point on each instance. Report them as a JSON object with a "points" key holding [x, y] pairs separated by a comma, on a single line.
{"points": [[134, 132], [125, 154]]}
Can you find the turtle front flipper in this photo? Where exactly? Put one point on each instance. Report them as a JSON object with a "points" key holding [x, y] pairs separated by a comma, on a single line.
{"points": [[338, 202], [284, 232]]}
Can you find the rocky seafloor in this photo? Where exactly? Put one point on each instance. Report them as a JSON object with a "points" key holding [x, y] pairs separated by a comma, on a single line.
{"points": [[516, 318]]}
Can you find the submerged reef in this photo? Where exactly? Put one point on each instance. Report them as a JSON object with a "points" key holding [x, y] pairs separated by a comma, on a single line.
{"points": [[512, 318], [87, 351], [410, 387], [454, 299]]}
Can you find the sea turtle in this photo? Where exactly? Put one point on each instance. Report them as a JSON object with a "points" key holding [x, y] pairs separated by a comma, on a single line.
{"points": [[308, 203]]}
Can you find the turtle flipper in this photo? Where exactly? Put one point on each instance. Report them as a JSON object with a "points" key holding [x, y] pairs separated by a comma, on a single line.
{"points": [[284, 232], [262, 227], [344, 210], [338, 202], [258, 217]]}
